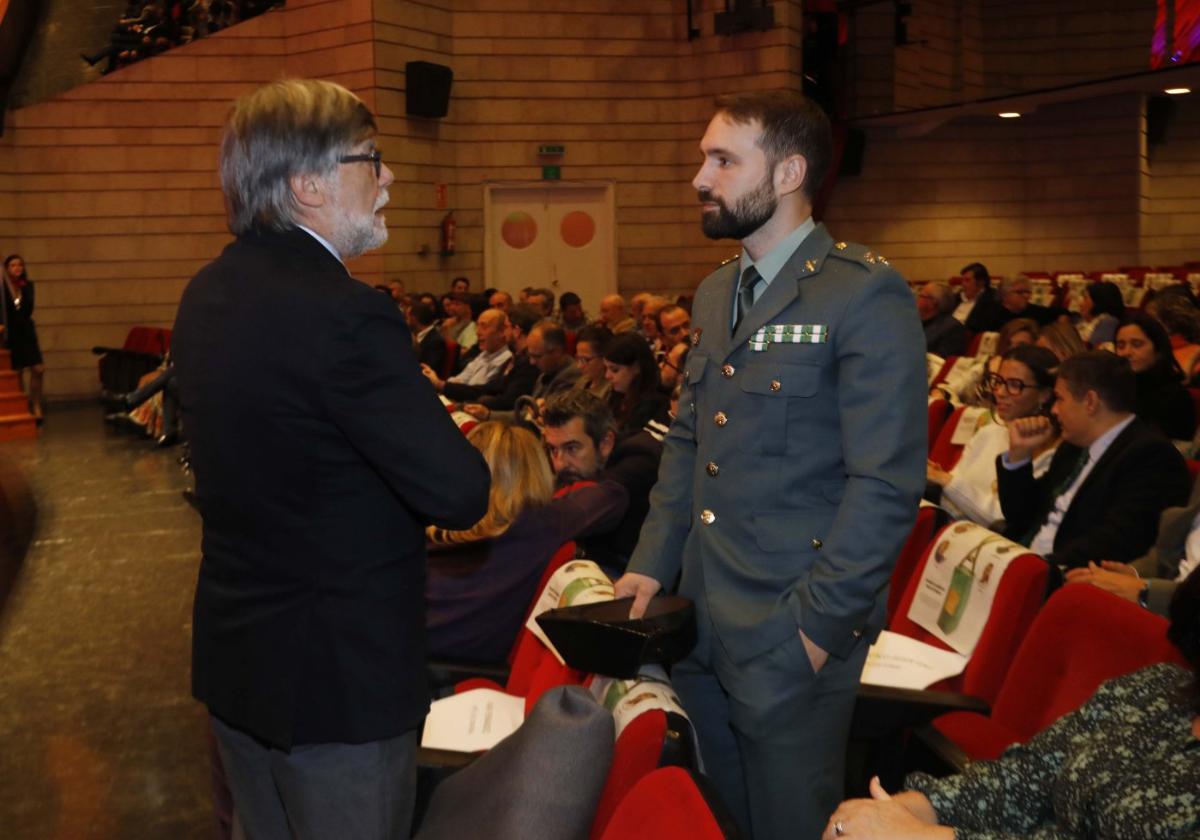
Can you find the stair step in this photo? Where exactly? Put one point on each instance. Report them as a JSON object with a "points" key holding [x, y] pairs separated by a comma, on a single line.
{"points": [[10, 382], [13, 403], [18, 427]]}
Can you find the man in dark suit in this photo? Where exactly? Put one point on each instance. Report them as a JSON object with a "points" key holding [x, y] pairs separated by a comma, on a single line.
{"points": [[944, 336], [791, 476], [1109, 480], [430, 345], [320, 455]]}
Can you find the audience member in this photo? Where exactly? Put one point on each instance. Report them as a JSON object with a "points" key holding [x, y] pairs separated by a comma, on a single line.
{"points": [[636, 398], [975, 291], [546, 348], [654, 304], [613, 315], [461, 285], [1152, 579], [481, 580], [459, 324], [590, 345], [502, 301], [1023, 387], [1182, 323], [542, 300], [579, 434], [637, 304], [431, 300], [1108, 482], [427, 338], [944, 336], [670, 369], [1122, 765], [516, 377], [1061, 339], [674, 327], [1016, 332], [1014, 297], [570, 312], [1162, 401], [1101, 307], [18, 333], [487, 366]]}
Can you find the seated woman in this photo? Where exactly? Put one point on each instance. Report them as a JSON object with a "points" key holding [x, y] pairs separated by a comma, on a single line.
{"points": [[1182, 322], [1125, 764], [637, 396], [1023, 387], [481, 581], [1101, 308], [1062, 340], [1162, 401]]}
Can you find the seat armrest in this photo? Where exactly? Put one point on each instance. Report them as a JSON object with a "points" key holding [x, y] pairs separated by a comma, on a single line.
{"points": [[947, 757], [881, 711], [446, 673]]}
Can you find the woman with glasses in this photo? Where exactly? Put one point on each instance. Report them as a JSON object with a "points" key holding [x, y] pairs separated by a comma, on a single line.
{"points": [[1023, 387], [589, 356], [18, 333], [1162, 400]]}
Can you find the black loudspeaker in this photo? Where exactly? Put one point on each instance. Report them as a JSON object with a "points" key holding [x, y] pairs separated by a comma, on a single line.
{"points": [[852, 152], [427, 89]]}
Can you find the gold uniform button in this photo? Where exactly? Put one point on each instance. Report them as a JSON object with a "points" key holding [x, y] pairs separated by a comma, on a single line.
{"points": [[776, 384], [712, 468], [720, 419], [816, 544], [727, 371], [708, 517]]}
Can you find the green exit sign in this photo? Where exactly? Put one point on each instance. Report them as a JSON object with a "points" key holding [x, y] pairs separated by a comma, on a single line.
{"points": [[551, 173], [551, 150]]}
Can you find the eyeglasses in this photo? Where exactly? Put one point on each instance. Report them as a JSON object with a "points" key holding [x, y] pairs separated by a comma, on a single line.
{"points": [[1014, 387], [374, 156], [585, 360]]}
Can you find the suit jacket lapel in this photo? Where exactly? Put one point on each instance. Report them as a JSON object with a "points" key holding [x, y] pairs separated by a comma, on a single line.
{"points": [[785, 288]]}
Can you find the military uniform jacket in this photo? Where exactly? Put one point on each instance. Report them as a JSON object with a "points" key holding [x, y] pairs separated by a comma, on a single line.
{"points": [[792, 473]]}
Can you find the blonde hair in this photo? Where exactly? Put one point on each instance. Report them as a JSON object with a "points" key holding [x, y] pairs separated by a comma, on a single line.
{"points": [[521, 478]]}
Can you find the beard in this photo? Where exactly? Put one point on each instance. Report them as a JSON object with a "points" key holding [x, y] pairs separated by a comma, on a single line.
{"points": [[748, 213], [356, 233]]}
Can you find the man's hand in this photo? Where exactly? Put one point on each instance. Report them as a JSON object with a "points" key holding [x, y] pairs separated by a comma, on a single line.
{"points": [[1026, 435], [816, 656], [641, 587], [478, 411], [428, 373], [935, 474], [1118, 578]]}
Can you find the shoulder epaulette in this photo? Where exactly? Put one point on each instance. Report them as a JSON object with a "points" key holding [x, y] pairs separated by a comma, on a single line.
{"points": [[731, 259], [853, 252]]}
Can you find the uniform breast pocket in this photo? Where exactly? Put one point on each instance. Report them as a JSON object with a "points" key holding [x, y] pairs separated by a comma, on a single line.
{"points": [[769, 387]]}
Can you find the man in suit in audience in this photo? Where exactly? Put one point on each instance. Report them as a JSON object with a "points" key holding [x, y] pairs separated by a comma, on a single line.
{"points": [[515, 379], [1152, 579], [791, 475], [944, 335], [431, 347], [580, 436], [614, 316], [320, 456], [485, 363], [974, 293], [1110, 479]]}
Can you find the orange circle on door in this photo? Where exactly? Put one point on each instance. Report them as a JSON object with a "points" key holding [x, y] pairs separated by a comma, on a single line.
{"points": [[518, 230], [577, 229]]}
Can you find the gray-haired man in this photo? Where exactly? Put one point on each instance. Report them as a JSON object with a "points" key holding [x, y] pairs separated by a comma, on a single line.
{"points": [[320, 454]]}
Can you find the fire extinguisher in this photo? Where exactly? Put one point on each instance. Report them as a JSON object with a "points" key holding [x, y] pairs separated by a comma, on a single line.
{"points": [[448, 228]]}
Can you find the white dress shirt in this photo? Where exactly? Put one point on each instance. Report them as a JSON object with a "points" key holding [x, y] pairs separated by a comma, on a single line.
{"points": [[963, 311], [481, 369]]}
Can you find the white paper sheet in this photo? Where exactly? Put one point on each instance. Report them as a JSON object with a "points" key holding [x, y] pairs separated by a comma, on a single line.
{"points": [[900, 662], [472, 721]]}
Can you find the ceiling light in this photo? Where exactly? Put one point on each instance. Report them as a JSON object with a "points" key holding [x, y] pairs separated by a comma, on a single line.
{"points": [[1008, 115], [1179, 91]]}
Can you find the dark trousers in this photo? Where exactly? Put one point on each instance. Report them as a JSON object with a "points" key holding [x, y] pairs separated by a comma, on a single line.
{"points": [[772, 734], [318, 791]]}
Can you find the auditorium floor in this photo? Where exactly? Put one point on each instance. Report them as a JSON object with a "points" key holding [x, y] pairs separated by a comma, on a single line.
{"points": [[99, 737]]}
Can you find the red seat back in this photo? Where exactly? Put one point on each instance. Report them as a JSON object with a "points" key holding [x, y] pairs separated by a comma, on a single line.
{"points": [[943, 451], [154, 340], [636, 755], [1015, 605], [939, 410], [665, 805], [452, 350], [929, 521]]}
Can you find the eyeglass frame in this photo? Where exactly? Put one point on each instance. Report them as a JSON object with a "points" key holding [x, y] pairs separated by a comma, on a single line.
{"points": [[1013, 387], [375, 156]]}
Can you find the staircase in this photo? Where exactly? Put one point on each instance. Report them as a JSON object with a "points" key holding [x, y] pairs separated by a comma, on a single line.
{"points": [[16, 423]]}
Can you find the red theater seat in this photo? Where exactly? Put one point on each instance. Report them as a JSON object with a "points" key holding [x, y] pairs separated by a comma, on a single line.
{"points": [[667, 805]]}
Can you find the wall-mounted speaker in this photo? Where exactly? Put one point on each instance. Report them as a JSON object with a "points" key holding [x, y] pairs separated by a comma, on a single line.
{"points": [[427, 89]]}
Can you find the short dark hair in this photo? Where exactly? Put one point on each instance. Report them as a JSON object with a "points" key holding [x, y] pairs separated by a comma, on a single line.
{"points": [[423, 313], [979, 272], [596, 335], [667, 310], [568, 299], [564, 406], [1106, 299], [1184, 629], [525, 317], [1106, 373], [552, 334], [792, 124]]}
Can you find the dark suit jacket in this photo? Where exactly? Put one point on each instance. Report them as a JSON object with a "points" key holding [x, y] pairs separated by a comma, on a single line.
{"points": [[1114, 514], [633, 464], [988, 315], [945, 336], [320, 453], [791, 475], [431, 350]]}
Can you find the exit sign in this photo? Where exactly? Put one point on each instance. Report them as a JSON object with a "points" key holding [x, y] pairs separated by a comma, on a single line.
{"points": [[549, 151], [551, 173]]}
